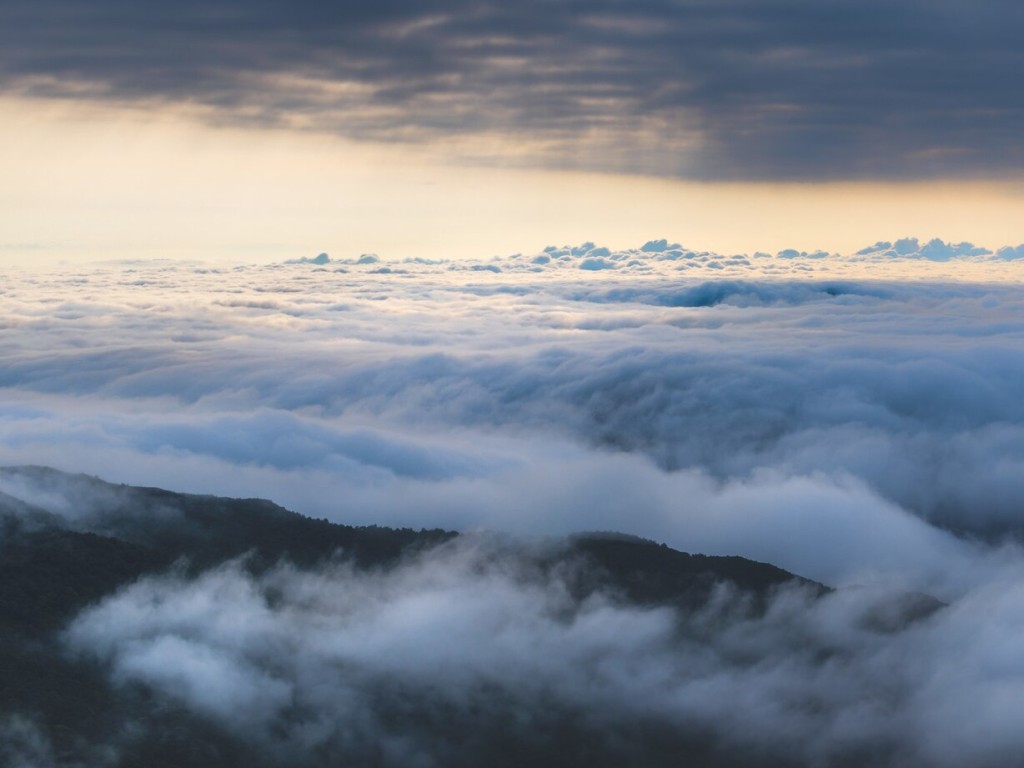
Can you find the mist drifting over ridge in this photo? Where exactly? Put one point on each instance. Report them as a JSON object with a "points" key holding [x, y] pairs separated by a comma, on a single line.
{"points": [[855, 420], [533, 393]]}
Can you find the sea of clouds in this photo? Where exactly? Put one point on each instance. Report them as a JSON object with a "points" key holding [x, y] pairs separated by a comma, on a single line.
{"points": [[856, 420]]}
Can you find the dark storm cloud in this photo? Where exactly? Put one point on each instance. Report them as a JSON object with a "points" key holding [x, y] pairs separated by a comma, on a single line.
{"points": [[773, 89]]}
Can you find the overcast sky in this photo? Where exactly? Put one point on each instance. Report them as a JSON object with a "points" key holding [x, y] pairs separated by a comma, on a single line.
{"points": [[237, 128]]}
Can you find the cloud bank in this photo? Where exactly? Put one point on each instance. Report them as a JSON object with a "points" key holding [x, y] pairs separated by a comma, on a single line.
{"points": [[736, 405], [852, 419], [727, 90]]}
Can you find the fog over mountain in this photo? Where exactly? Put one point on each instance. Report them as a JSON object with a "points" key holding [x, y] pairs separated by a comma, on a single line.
{"points": [[852, 419]]}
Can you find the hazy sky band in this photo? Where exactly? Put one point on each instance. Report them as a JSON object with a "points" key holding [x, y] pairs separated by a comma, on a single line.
{"points": [[726, 90]]}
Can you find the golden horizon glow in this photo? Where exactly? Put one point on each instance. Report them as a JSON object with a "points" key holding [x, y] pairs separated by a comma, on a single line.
{"points": [[88, 182]]}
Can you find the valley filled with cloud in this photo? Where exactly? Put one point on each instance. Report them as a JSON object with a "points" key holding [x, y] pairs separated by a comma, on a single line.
{"points": [[855, 420], [700, 399]]}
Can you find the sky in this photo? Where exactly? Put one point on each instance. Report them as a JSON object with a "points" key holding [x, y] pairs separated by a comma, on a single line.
{"points": [[265, 130]]}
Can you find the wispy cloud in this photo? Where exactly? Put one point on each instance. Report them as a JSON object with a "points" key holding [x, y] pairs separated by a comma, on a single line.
{"points": [[304, 663]]}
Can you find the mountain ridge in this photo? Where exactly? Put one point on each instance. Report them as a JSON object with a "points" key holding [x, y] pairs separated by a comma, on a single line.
{"points": [[108, 542]]}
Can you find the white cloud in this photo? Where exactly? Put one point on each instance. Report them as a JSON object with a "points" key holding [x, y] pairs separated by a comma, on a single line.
{"points": [[474, 629], [792, 410], [441, 393]]}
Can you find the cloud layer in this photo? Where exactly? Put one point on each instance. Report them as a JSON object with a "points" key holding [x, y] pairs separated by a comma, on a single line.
{"points": [[855, 420], [726, 90], [771, 412]]}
